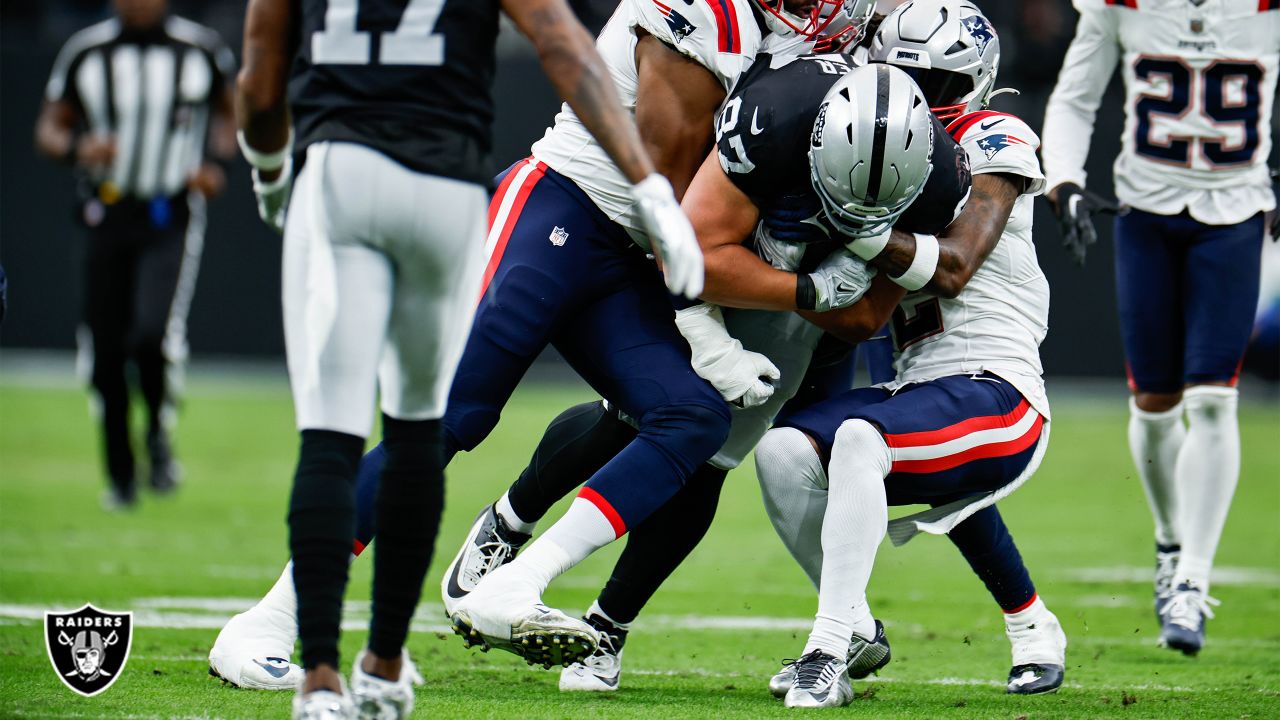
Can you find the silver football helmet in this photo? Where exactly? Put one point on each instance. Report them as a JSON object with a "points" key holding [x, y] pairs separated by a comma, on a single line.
{"points": [[948, 47], [871, 149], [833, 24]]}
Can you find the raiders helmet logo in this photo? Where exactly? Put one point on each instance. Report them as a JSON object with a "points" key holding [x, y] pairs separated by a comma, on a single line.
{"points": [[88, 647]]}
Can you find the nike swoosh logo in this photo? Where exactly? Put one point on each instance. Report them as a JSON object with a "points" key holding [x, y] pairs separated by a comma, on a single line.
{"points": [[987, 126], [755, 125], [272, 670]]}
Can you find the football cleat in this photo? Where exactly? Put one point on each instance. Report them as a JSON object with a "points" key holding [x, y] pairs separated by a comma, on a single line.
{"points": [[378, 698], [165, 471], [506, 613], [1039, 656], [1182, 619], [489, 545], [601, 670], [821, 680], [324, 705], [253, 649], [865, 657], [1166, 566]]}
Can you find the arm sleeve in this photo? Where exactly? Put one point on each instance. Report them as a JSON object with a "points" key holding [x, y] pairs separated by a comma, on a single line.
{"points": [[1007, 145], [1068, 123], [720, 35]]}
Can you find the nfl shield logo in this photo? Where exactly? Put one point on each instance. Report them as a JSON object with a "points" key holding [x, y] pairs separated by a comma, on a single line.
{"points": [[559, 236], [88, 647], [1197, 25]]}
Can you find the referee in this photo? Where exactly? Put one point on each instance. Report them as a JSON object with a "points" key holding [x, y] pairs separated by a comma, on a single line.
{"points": [[135, 104]]}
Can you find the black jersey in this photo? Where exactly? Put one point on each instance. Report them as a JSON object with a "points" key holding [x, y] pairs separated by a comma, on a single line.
{"points": [[762, 138], [409, 78]]}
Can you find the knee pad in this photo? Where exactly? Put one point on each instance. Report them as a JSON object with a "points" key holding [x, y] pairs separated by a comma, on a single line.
{"points": [[693, 430], [786, 455]]}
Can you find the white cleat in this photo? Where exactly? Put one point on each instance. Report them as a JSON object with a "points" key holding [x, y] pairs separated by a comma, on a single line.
{"points": [[600, 671], [324, 705], [377, 698], [253, 651], [489, 545], [821, 680], [506, 612], [1039, 655]]}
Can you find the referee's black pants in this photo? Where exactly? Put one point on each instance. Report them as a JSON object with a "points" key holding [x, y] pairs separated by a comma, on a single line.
{"points": [[139, 275]]}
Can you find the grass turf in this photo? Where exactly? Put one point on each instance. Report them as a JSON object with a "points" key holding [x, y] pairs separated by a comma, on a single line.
{"points": [[183, 561]]}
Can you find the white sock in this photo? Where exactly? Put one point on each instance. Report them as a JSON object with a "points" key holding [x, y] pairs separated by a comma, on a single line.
{"points": [[1154, 440], [581, 531], [1208, 470], [511, 518], [854, 525], [1026, 616], [794, 486], [282, 598]]}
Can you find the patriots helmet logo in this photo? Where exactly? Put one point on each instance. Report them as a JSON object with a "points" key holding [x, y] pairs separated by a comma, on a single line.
{"points": [[993, 144], [680, 26], [981, 31]]}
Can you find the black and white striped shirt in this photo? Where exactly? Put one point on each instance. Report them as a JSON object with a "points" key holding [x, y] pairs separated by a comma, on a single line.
{"points": [[152, 91]]}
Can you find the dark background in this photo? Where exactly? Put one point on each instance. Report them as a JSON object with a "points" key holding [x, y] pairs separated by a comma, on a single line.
{"points": [[236, 309]]}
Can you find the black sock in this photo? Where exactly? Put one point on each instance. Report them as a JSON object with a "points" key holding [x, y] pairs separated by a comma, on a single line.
{"points": [[410, 501], [657, 546], [580, 441], [321, 524]]}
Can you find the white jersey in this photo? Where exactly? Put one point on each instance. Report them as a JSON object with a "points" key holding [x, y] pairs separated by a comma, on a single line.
{"points": [[720, 35], [1200, 85], [997, 322]]}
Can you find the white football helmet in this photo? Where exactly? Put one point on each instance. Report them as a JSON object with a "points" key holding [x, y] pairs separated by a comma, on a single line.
{"points": [[833, 24], [871, 149], [948, 47]]}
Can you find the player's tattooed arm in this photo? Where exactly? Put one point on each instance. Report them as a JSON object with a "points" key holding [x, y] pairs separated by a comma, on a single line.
{"points": [[261, 107], [966, 243], [676, 106], [574, 66]]}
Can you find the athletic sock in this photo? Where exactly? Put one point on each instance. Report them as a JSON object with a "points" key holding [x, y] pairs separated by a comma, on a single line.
{"points": [[856, 520], [657, 546], [794, 486], [1154, 441], [1208, 471], [321, 524], [510, 518], [1028, 615], [582, 530], [577, 443], [410, 501], [282, 598]]}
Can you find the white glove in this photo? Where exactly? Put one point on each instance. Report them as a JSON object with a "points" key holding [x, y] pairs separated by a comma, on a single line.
{"points": [[745, 379], [782, 255], [273, 196], [841, 280], [671, 235]]}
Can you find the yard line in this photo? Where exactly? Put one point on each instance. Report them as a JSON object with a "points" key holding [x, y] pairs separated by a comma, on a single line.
{"points": [[1227, 575]]}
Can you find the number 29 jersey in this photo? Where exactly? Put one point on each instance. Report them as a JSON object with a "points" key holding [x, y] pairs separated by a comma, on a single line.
{"points": [[1200, 85], [411, 79]]}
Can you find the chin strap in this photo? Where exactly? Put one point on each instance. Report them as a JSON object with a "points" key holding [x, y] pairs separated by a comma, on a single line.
{"points": [[1002, 91]]}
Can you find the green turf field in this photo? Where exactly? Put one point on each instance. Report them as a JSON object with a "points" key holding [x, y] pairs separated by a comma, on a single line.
{"points": [[709, 641]]}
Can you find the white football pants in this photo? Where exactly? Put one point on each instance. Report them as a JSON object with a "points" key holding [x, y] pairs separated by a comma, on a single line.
{"points": [[382, 269]]}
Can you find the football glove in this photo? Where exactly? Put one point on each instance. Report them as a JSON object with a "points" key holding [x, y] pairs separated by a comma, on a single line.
{"points": [[671, 235], [744, 379], [781, 254], [840, 281], [273, 196], [1075, 208]]}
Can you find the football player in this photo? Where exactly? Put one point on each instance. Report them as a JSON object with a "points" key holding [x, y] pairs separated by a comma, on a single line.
{"points": [[382, 265], [567, 266], [966, 421], [1200, 83]]}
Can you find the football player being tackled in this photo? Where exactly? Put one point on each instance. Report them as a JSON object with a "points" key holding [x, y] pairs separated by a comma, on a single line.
{"points": [[567, 244]]}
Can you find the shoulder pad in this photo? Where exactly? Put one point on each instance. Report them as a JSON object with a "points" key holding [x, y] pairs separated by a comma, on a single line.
{"points": [[720, 35], [999, 142]]}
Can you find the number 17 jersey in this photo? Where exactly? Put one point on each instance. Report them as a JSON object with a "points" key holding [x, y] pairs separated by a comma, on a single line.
{"points": [[1200, 85], [411, 79]]}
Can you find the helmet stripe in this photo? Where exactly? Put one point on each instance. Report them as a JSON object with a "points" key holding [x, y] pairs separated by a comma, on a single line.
{"points": [[881, 132]]}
